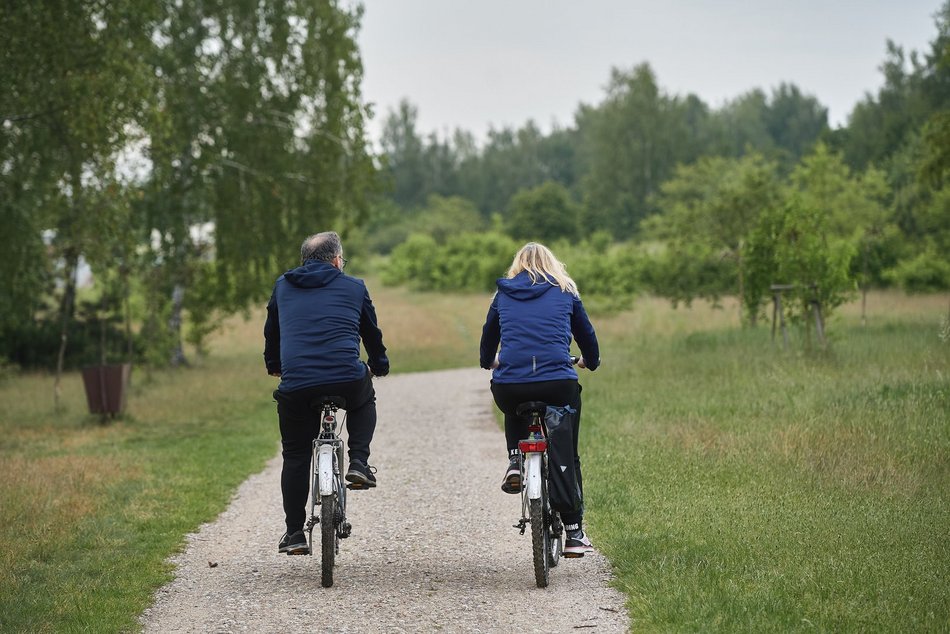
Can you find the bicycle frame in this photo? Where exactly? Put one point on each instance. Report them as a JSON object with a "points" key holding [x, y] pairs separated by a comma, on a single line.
{"points": [[535, 504], [328, 491], [533, 452], [327, 444]]}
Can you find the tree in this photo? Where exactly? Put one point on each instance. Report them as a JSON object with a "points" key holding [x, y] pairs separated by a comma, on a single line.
{"points": [[403, 151], [544, 213], [74, 85], [632, 143], [794, 121], [855, 205], [258, 136], [793, 246], [708, 212]]}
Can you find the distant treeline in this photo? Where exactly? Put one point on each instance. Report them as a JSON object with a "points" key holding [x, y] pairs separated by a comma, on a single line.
{"points": [[181, 152], [658, 192]]}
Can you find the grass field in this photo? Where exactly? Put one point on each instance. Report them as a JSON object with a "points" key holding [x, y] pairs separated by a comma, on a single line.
{"points": [[733, 485]]}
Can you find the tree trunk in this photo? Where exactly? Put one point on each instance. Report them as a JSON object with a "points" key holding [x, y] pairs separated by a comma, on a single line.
{"points": [[864, 286], [65, 316], [174, 325], [739, 263]]}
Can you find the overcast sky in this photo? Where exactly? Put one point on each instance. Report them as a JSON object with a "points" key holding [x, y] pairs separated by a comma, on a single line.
{"points": [[477, 64]]}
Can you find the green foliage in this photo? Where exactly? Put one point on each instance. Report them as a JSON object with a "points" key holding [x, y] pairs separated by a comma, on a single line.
{"points": [[632, 142], [793, 245], [259, 133], [688, 271], [441, 218], [782, 127], [404, 152], [708, 212], [608, 276], [465, 262], [75, 84], [928, 271], [543, 214], [935, 165]]}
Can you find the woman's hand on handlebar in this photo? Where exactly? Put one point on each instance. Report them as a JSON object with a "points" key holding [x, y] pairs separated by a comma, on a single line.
{"points": [[579, 362]]}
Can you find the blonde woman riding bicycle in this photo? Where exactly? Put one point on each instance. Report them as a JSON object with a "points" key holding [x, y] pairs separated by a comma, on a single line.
{"points": [[534, 315]]}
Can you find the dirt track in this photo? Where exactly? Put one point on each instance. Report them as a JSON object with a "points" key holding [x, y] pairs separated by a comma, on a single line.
{"points": [[432, 549]]}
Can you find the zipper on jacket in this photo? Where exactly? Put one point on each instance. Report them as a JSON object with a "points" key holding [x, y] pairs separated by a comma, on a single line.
{"points": [[534, 364]]}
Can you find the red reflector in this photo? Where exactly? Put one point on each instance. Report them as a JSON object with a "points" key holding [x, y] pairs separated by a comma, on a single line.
{"points": [[532, 446]]}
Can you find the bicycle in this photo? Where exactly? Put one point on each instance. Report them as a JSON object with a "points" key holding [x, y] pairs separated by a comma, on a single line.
{"points": [[547, 530], [328, 489]]}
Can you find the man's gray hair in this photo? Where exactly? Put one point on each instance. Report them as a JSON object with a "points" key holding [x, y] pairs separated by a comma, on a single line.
{"points": [[321, 246]]}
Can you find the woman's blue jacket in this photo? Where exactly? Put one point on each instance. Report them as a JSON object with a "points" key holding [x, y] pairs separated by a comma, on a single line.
{"points": [[534, 324]]}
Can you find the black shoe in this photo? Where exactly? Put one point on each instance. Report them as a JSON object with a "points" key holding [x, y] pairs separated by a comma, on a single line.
{"points": [[360, 475], [577, 544], [294, 544], [512, 481]]}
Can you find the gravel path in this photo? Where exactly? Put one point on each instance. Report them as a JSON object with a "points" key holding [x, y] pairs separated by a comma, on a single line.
{"points": [[432, 549]]}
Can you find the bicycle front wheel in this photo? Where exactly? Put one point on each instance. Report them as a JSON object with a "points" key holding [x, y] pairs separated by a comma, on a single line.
{"points": [[328, 531], [540, 542]]}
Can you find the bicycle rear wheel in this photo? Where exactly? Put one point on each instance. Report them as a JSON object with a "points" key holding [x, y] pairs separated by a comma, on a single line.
{"points": [[540, 542], [328, 533]]}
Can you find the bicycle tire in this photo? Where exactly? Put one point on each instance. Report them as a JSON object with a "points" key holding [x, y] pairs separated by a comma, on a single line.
{"points": [[540, 542], [328, 538]]}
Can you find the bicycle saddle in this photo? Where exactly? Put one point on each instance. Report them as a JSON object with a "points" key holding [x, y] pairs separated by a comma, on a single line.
{"points": [[336, 401], [530, 406]]}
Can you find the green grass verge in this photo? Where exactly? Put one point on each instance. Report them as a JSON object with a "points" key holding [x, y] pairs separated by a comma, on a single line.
{"points": [[735, 487], [93, 512]]}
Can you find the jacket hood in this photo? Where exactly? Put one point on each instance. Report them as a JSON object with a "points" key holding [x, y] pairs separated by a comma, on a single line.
{"points": [[313, 274], [520, 287]]}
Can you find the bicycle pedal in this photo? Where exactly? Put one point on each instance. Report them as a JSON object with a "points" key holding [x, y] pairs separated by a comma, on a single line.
{"points": [[572, 555], [356, 486]]}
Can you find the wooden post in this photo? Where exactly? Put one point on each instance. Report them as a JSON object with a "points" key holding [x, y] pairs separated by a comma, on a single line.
{"points": [[777, 311], [819, 324]]}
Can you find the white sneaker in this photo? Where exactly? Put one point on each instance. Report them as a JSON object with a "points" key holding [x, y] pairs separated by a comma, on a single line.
{"points": [[577, 544]]}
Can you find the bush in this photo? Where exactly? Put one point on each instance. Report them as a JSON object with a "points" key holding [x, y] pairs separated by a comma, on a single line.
{"points": [[928, 272], [466, 262], [34, 345]]}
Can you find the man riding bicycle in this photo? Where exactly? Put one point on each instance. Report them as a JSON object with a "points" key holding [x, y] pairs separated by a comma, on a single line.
{"points": [[316, 318]]}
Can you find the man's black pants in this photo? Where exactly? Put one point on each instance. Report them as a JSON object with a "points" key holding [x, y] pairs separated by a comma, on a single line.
{"points": [[299, 417], [565, 392]]}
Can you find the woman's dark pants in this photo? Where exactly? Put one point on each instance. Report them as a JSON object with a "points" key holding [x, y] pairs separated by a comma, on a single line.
{"points": [[567, 392]]}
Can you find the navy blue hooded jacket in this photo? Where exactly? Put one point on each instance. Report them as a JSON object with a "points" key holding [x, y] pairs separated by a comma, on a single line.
{"points": [[534, 324], [316, 317]]}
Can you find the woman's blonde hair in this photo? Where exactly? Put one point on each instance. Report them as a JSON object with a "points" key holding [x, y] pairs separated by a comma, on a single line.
{"points": [[540, 263]]}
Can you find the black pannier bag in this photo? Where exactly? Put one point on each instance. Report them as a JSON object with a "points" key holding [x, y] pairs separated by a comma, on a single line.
{"points": [[565, 493]]}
